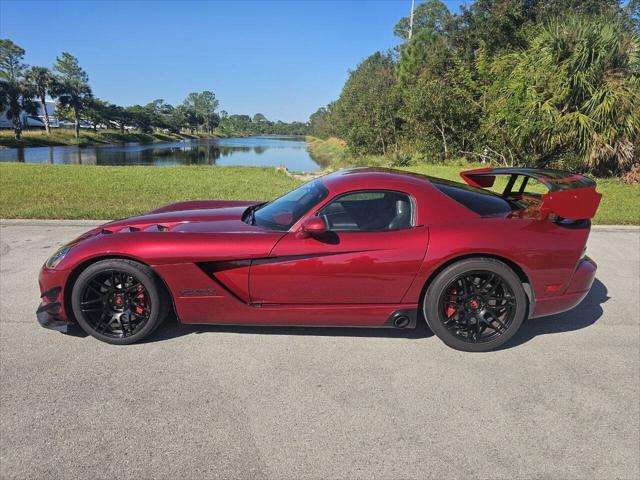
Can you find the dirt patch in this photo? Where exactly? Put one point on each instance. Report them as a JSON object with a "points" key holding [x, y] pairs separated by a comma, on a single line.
{"points": [[304, 177]]}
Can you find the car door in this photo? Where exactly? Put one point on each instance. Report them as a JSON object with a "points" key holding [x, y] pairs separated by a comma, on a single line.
{"points": [[370, 254]]}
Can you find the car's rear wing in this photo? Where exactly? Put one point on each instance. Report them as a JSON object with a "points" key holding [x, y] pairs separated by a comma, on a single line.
{"points": [[570, 195]]}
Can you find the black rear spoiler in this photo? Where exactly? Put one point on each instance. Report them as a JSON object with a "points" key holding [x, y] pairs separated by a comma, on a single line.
{"points": [[570, 195]]}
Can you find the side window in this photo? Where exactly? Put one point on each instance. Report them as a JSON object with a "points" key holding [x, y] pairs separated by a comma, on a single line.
{"points": [[368, 211]]}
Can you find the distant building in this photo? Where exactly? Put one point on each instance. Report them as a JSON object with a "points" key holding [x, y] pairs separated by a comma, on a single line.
{"points": [[33, 120], [83, 124]]}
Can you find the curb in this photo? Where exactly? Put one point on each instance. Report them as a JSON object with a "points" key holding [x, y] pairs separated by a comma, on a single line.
{"points": [[616, 228], [26, 222]]}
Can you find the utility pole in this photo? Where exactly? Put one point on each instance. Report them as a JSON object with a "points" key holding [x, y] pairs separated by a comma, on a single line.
{"points": [[411, 21]]}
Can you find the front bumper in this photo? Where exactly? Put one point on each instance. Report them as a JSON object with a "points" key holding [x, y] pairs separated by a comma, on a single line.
{"points": [[578, 288], [51, 312], [49, 320]]}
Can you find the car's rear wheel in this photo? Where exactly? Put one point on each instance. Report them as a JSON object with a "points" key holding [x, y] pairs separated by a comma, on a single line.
{"points": [[475, 305], [118, 301]]}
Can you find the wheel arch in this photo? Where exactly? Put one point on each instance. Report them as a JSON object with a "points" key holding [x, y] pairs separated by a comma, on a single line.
{"points": [[518, 270], [79, 268]]}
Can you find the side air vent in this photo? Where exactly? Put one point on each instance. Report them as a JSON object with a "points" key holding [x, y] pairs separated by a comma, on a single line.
{"points": [[130, 229], [158, 227]]}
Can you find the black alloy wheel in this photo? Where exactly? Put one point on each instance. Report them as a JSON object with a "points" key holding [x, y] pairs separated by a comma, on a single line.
{"points": [[476, 304], [118, 301], [115, 303]]}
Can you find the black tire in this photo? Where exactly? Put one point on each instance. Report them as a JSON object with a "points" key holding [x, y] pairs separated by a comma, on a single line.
{"points": [[119, 301], [475, 305]]}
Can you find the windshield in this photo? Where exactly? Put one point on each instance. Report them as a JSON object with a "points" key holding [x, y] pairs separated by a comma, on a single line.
{"points": [[283, 212]]}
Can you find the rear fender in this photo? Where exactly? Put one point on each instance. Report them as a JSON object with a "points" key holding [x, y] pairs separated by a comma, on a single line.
{"points": [[544, 253]]}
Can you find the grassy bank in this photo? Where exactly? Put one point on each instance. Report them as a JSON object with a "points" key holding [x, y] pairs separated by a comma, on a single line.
{"points": [[332, 153], [83, 191], [620, 203], [39, 138]]}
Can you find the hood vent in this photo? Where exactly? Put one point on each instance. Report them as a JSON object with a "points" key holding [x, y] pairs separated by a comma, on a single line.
{"points": [[156, 227]]}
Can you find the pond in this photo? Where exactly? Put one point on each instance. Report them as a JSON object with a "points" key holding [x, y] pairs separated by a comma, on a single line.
{"points": [[263, 151]]}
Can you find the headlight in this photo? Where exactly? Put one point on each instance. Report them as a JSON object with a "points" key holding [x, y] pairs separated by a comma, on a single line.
{"points": [[57, 257]]}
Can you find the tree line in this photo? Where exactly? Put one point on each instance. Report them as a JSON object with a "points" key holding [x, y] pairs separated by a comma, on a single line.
{"points": [[519, 82], [259, 125], [22, 88]]}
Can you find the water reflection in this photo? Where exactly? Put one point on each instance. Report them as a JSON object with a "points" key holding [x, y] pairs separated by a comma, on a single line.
{"points": [[255, 151]]}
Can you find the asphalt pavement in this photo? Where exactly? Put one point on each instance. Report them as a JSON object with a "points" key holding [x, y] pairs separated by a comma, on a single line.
{"points": [[561, 401]]}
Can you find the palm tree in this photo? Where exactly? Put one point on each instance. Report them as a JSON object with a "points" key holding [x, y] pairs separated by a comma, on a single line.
{"points": [[72, 87], [575, 89], [42, 82], [15, 94], [96, 112]]}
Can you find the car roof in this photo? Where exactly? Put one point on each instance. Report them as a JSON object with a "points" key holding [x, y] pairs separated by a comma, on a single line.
{"points": [[460, 199], [356, 178]]}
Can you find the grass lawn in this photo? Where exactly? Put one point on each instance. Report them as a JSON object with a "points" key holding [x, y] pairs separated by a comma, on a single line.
{"points": [[85, 191], [59, 136], [100, 192]]}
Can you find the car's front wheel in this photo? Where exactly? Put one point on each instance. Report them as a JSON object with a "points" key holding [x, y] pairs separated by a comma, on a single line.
{"points": [[475, 305], [118, 301]]}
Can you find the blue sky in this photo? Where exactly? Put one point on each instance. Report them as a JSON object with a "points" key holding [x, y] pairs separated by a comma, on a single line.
{"points": [[281, 58]]}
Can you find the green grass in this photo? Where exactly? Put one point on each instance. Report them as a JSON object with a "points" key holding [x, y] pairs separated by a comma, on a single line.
{"points": [[85, 191], [620, 203], [332, 153], [39, 138]]}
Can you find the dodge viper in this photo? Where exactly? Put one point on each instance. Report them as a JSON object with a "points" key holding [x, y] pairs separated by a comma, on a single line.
{"points": [[360, 247]]}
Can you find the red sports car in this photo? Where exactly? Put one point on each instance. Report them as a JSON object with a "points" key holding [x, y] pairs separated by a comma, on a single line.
{"points": [[364, 247]]}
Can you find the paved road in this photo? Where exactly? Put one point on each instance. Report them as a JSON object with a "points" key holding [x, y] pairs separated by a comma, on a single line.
{"points": [[562, 401]]}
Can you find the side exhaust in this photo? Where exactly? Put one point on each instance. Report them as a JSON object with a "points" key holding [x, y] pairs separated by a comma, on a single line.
{"points": [[401, 321], [402, 318]]}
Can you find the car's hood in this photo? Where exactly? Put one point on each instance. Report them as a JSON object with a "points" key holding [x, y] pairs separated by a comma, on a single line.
{"points": [[197, 216], [189, 232]]}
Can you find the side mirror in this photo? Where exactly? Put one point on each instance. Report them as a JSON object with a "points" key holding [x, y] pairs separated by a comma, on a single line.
{"points": [[312, 226]]}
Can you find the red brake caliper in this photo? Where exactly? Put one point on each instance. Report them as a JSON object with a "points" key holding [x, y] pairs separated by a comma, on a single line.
{"points": [[452, 298], [140, 303]]}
